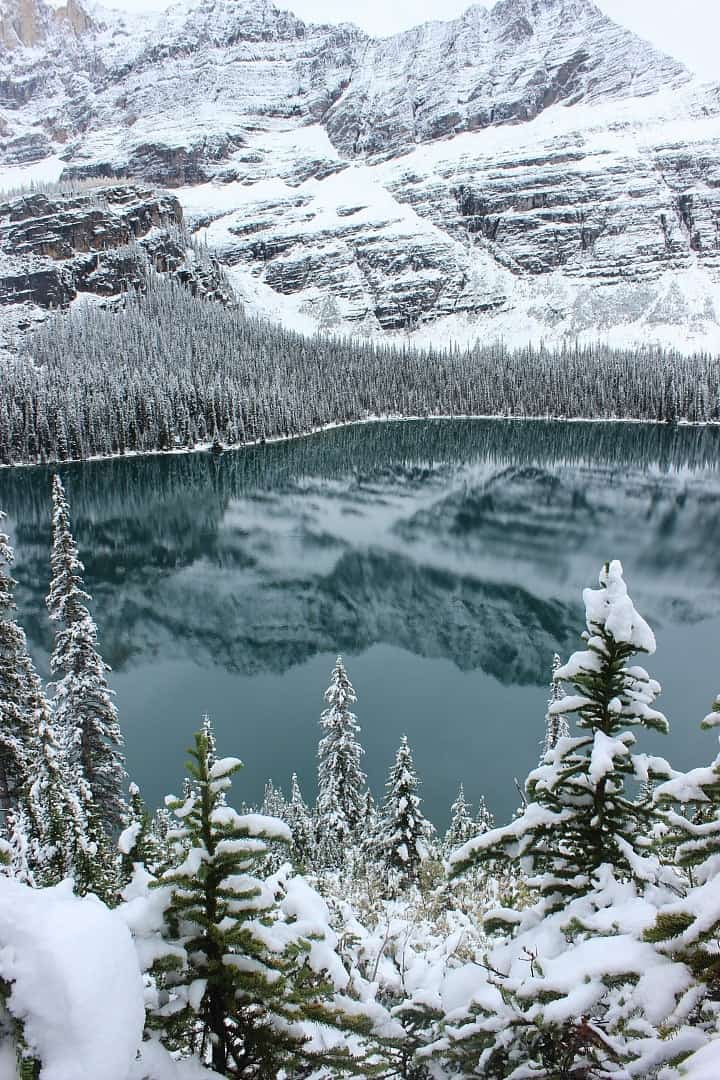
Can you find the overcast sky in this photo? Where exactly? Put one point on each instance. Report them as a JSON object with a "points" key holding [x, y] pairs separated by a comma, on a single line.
{"points": [[687, 29]]}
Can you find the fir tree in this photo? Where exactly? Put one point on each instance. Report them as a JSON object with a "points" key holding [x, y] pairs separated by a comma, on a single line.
{"points": [[579, 815], [369, 826], [462, 827], [274, 803], [16, 849], [235, 983], [688, 929], [341, 781], [85, 713], [485, 819], [584, 845], [16, 732], [301, 825], [47, 823], [60, 844], [556, 725], [404, 831], [139, 842]]}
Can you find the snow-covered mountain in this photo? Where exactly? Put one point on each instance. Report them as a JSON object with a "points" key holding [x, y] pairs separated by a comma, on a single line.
{"points": [[531, 170]]}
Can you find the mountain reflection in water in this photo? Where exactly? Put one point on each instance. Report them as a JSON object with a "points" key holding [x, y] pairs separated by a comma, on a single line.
{"points": [[444, 559]]}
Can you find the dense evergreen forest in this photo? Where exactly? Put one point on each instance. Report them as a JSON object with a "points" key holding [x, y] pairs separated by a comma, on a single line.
{"points": [[167, 371]]}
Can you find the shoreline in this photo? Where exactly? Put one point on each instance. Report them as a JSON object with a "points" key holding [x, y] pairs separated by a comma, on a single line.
{"points": [[206, 447]]}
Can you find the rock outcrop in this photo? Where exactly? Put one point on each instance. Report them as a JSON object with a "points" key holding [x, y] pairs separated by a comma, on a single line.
{"points": [[532, 170], [93, 240]]}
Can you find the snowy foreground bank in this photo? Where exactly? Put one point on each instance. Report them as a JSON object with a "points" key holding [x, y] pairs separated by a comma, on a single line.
{"points": [[74, 969]]}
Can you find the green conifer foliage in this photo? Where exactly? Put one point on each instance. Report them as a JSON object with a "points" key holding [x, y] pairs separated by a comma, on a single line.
{"points": [[85, 713], [404, 830], [341, 781], [235, 982], [462, 827], [16, 732], [48, 825], [688, 929], [299, 819], [580, 814]]}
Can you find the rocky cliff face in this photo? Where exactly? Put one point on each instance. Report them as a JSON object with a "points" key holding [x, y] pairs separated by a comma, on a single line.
{"points": [[97, 241], [530, 170]]}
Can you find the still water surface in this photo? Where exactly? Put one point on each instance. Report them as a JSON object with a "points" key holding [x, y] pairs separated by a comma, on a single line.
{"points": [[445, 560]]}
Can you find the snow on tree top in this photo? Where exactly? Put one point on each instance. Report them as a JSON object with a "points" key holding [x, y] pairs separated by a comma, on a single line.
{"points": [[610, 608]]}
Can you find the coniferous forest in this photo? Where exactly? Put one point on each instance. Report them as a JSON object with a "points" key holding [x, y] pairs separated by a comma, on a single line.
{"points": [[344, 935], [168, 371]]}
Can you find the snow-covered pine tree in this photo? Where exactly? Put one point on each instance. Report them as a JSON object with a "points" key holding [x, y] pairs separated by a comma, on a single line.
{"points": [[404, 830], [85, 714], [556, 725], [579, 814], [688, 929], [585, 846], [299, 819], [485, 819], [60, 844], [275, 805], [462, 827], [341, 781], [139, 841], [16, 848], [49, 826], [235, 984], [16, 732]]}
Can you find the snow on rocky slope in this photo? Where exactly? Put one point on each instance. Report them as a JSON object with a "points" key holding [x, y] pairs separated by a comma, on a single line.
{"points": [[528, 171]]}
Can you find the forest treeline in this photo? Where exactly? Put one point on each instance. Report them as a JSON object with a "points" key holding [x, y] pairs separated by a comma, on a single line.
{"points": [[167, 371]]}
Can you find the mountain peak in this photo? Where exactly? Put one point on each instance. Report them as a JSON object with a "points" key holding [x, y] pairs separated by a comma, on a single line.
{"points": [[28, 23]]}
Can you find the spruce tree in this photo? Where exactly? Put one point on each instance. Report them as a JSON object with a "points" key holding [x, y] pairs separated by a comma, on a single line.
{"points": [[585, 845], [139, 841], [369, 834], [235, 982], [485, 819], [275, 805], [688, 929], [60, 841], [85, 713], [462, 827], [580, 815], [556, 725], [341, 781], [299, 819], [404, 831], [16, 731], [16, 849], [48, 824]]}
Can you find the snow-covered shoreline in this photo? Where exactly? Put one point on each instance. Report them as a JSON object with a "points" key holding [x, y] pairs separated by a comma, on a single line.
{"points": [[206, 447]]}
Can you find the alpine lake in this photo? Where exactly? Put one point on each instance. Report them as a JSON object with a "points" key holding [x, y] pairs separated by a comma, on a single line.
{"points": [[445, 560]]}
